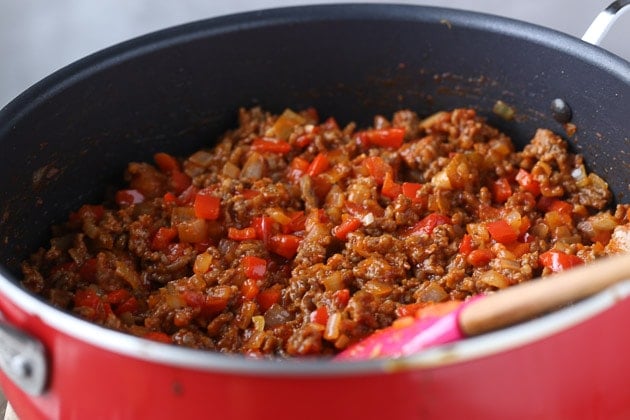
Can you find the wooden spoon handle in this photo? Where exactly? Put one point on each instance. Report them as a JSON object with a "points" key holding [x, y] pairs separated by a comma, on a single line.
{"points": [[527, 300]]}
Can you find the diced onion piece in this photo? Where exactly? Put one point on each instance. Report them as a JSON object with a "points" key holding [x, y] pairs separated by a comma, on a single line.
{"points": [[494, 278], [253, 167], [334, 281], [433, 119], [441, 180], [283, 127], [368, 219], [259, 322], [202, 264], [378, 288], [230, 170], [503, 110], [332, 326], [127, 273], [579, 174], [201, 158], [279, 216], [194, 231], [603, 221]]}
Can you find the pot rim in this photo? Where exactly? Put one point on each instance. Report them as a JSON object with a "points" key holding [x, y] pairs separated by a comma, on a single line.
{"points": [[467, 349], [183, 357]]}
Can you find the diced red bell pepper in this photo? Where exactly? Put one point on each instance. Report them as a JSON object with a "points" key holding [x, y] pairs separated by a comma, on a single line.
{"points": [[284, 245], [385, 137], [558, 261], [342, 230], [249, 194], [320, 315], [479, 257], [410, 309], [264, 228], [561, 207], [207, 205], [128, 197], [427, 224], [250, 289], [268, 297], [518, 248], [390, 188], [527, 182], [466, 245], [297, 169], [319, 165], [410, 190], [271, 145], [116, 297], [86, 298], [377, 168], [169, 197], [501, 190], [88, 270], [163, 237], [130, 305], [166, 162], [179, 181], [297, 223], [341, 297], [255, 267], [502, 232], [241, 234], [159, 337]]}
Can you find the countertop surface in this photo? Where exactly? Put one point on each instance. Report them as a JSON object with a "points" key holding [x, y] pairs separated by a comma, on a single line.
{"points": [[38, 37]]}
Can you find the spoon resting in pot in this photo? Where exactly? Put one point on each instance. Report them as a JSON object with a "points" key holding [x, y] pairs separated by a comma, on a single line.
{"points": [[454, 320]]}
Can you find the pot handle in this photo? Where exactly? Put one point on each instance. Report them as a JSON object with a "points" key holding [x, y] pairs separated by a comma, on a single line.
{"points": [[604, 21], [23, 359]]}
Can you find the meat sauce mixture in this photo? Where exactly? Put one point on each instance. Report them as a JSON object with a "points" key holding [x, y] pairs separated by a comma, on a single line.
{"points": [[296, 236]]}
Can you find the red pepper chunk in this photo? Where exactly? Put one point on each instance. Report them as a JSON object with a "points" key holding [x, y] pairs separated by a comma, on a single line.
{"points": [[377, 168], [527, 182], [166, 162], [426, 225], [268, 297], [207, 206], [558, 261], [501, 190], [250, 289], [128, 197], [159, 337], [466, 245], [342, 230], [255, 267], [284, 245], [385, 137], [502, 232], [271, 145], [319, 165], [319, 315], [241, 234], [390, 188], [297, 168], [479, 257], [410, 190], [162, 238]]}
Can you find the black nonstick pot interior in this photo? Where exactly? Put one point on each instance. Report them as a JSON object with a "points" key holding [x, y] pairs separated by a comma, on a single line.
{"points": [[68, 137]]}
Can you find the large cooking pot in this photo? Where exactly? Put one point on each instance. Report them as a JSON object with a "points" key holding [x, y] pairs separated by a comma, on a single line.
{"points": [[72, 134]]}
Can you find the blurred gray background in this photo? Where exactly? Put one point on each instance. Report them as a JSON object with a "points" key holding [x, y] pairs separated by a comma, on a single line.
{"points": [[38, 37]]}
